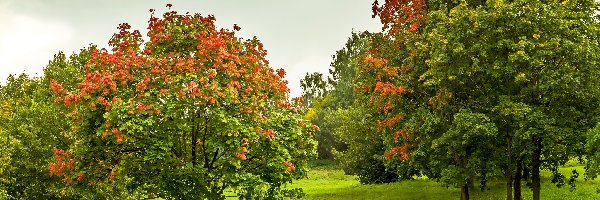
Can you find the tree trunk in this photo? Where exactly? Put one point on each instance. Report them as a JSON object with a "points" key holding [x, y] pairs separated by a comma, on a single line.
{"points": [[517, 181], [509, 184], [509, 173], [472, 181], [464, 192], [525, 174], [535, 169], [194, 138]]}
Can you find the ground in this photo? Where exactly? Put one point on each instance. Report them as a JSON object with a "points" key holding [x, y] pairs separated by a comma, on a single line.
{"points": [[329, 182]]}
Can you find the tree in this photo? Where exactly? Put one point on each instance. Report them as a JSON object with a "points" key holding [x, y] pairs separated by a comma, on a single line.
{"points": [[388, 89], [364, 154], [323, 98], [547, 70], [527, 66], [31, 129], [343, 68], [5, 150], [467, 146], [313, 87], [318, 113], [188, 114], [363, 147]]}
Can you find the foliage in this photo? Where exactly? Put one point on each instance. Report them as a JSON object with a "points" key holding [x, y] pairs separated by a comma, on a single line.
{"points": [[344, 130], [6, 149], [32, 127], [325, 97], [5, 158], [191, 112], [313, 87], [472, 154], [527, 66], [398, 15], [343, 69], [365, 147], [319, 113]]}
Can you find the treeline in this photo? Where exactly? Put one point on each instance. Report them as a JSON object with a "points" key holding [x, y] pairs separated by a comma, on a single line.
{"points": [[463, 93]]}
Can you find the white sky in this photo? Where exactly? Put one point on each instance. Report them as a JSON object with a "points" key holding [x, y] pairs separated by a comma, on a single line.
{"points": [[300, 35]]}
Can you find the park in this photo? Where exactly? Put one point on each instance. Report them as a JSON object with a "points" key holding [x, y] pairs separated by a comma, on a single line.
{"points": [[461, 99]]}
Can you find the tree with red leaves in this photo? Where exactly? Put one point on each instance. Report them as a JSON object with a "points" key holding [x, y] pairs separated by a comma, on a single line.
{"points": [[396, 15], [480, 77], [189, 113]]}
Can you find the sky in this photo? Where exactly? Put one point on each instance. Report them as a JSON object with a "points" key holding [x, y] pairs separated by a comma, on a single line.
{"points": [[300, 36]]}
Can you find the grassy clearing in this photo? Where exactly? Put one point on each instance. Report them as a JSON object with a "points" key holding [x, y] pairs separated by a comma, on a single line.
{"points": [[328, 182]]}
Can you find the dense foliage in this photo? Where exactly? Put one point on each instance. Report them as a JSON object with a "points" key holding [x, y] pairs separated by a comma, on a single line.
{"points": [[472, 89], [460, 92], [347, 133], [186, 115], [32, 127]]}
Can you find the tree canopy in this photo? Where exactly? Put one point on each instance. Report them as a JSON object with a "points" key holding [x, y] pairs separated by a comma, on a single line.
{"points": [[522, 72], [189, 113]]}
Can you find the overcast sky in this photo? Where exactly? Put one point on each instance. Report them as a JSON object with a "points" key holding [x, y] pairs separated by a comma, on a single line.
{"points": [[300, 35]]}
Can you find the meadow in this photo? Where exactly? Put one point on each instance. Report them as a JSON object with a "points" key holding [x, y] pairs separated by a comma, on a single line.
{"points": [[327, 181]]}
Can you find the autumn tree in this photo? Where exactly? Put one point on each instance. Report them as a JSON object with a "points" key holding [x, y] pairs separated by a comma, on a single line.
{"points": [[526, 66], [189, 113]]}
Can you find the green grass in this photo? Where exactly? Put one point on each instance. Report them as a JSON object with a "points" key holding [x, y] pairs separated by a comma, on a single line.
{"points": [[326, 181]]}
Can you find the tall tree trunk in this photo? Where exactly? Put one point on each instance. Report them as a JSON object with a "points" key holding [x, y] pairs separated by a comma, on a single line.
{"points": [[535, 168], [509, 157], [194, 139], [464, 192], [517, 181], [509, 185]]}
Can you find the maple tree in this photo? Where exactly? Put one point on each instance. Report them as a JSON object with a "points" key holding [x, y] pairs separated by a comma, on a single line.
{"points": [[504, 61], [346, 133], [396, 15], [189, 113]]}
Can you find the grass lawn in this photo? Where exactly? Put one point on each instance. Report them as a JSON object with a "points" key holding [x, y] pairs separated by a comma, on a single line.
{"points": [[328, 182]]}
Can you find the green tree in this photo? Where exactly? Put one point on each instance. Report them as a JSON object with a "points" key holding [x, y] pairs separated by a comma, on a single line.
{"points": [[528, 66], [6, 149], [313, 87], [323, 97], [343, 69], [364, 154], [317, 113], [468, 147], [364, 147], [335, 94], [32, 127], [543, 67]]}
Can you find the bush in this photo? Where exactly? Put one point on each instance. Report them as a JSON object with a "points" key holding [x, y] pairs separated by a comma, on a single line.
{"points": [[320, 111], [364, 156]]}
